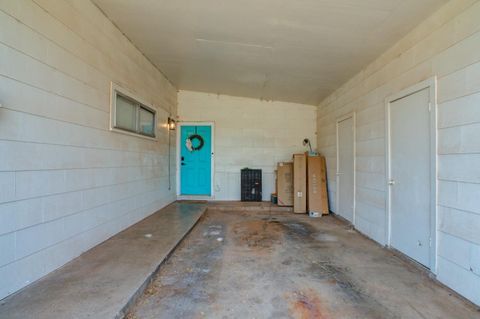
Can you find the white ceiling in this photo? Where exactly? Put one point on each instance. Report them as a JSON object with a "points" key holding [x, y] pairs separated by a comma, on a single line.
{"points": [[286, 50]]}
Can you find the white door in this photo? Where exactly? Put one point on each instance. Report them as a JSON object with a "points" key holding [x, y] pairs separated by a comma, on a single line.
{"points": [[345, 169], [409, 179]]}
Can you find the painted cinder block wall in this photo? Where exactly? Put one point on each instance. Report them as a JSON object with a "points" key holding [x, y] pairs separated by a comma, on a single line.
{"points": [[66, 182], [249, 133], [446, 45]]}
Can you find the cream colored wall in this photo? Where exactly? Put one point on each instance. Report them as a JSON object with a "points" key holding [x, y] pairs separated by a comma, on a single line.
{"points": [[249, 133], [446, 45], [67, 182]]}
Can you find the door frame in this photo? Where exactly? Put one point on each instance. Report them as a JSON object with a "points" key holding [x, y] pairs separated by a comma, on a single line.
{"points": [[351, 115], [431, 85], [179, 149]]}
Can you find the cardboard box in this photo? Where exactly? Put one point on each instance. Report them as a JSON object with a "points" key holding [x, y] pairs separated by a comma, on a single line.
{"points": [[299, 183], [276, 181], [317, 185], [285, 184]]}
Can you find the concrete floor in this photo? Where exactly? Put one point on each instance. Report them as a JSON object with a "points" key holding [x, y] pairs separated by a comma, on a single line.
{"points": [[247, 264], [101, 282]]}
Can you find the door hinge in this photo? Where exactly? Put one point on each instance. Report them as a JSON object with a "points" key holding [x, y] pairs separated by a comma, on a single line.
{"points": [[430, 242], [429, 106]]}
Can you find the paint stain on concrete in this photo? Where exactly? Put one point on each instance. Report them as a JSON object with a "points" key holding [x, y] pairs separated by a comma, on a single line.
{"points": [[338, 276], [257, 235], [350, 292], [307, 305], [298, 230]]}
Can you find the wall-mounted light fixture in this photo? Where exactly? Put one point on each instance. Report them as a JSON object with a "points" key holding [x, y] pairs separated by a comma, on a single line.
{"points": [[306, 142], [172, 124]]}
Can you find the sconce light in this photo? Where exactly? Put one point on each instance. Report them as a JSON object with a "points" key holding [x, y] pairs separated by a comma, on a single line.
{"points": [[306, 142], [172, 124]]}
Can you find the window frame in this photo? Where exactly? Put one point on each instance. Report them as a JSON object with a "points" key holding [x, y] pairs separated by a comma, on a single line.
{"points": [[139, 104]]}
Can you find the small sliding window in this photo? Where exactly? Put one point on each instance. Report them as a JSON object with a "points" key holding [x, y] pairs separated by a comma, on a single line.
{"points": [[130, 115]]}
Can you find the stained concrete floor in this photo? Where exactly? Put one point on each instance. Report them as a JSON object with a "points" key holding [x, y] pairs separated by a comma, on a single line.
{"points": [[247, 264]]}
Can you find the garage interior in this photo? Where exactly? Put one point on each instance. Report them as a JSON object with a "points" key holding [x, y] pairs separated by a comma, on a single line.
{"points": [[248, 159]]}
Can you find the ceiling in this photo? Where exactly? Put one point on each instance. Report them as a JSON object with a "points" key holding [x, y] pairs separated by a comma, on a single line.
{"points": [[284, 50]]}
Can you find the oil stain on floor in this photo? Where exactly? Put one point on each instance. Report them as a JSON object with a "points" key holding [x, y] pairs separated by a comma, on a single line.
{"points": [[265, 265]]}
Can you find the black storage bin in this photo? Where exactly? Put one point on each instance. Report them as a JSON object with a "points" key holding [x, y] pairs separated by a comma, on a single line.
{"points": [[251, 185]]}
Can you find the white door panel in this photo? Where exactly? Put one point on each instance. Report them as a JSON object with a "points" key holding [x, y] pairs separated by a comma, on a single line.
{"points": [[410, 179], [345, 169]]}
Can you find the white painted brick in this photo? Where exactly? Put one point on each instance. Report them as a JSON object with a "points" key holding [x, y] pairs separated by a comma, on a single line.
{"points": [[373, 214], [372, 130], [61, 253], [332, 201], [25, 98], [375, 147], [458, 56], [100, 196], [268, 181], [371, 180], [375, 113], [30, 269], [460, 252], [370, 164], [28, 212], [371, 230], [370, 197], [29, 42], [463, 110], [80, 222], [7, 248], [8, 282], [38, 183], [459, 223], [463, 196], [27, 70], [7, 186], [57, 206], [33, 239], [461, 167], [461, 280], [33, 156], [7, 218], [459, 139], [463, 82], [43, 130]]}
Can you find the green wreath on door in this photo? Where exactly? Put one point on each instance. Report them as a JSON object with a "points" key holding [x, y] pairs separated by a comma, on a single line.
{"points": [[189, 142]]}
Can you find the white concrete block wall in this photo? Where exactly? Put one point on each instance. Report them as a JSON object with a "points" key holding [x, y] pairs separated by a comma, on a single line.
{"points": [[446, 45], [66, 182], [249, 133]]}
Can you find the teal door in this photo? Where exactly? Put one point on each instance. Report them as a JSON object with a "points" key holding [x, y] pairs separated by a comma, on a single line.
{"points": [[195, 160]]}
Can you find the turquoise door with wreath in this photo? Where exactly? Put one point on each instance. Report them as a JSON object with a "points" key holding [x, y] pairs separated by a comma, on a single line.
{"points": [[195, 160]]}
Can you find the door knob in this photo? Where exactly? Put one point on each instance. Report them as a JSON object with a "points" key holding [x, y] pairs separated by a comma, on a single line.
{"points": [[391, 182], [183, 164]]}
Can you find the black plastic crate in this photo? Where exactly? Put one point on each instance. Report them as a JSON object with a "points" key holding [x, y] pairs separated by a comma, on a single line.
{"points": [[251, 185]]}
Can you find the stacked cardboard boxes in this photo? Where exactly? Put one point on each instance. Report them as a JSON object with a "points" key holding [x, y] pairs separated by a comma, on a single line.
{"points": [[299, 183], [303, 184], [317, 185], [285, 184]]}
